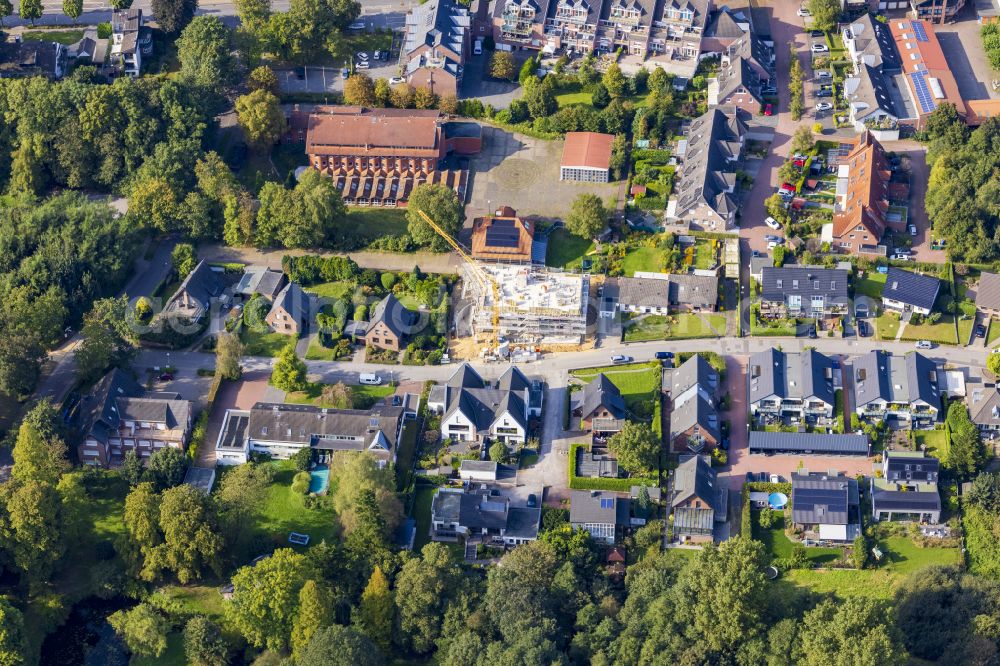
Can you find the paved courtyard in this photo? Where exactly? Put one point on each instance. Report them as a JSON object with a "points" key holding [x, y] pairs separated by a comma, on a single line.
{"points": [[963, 49], [523, 172]]}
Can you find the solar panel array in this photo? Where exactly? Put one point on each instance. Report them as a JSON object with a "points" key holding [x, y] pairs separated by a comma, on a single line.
{"points": [[833, 499], [502, 233], [918, 31], [607, 503], [924, 97]]}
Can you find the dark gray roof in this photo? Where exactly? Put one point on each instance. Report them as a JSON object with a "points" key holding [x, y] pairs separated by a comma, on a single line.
{"points": [[260, 280], [902, 467], [917, 290], [698, 7], [752, 50], [294, 301], [869, 88], [644, 7], [484, 509], [984, 406], [695, 371], [592, 464], [601, 391], [874, 39], [479, 466], [437, 23], [906, 501], [523, 522], [714, 146], [465, 376], [695, 478], [100, 408], [513, 380], [775, 373], [805, 442], [696, 411], [171, 412], [725, 23], [777, 283], [819, 499], [644, 292], [371, 430], [879, 374], [201, 285], [988, 292], [394, 315], [694, 290], [586, 506], [739, 74]]}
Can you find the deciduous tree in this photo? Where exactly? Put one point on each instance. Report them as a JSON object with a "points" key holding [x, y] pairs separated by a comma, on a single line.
{"points": [[132, 468], [501, 65], [143, 628], [30, 10], [289, 372], [855, 630], [204, 50], [72, 8], [32, 528], [204, 644], [261, 118], [108, 337], [191, 539], [613, 80], [587, 217], [228, 354], [636, 447], [340, 646], [825, 14], [375, 613], [173, 15], [39, 450], [424, 587], [315, 612], [441, 204], [263, 78], [12, 645], [167, 467], [359, 90]]}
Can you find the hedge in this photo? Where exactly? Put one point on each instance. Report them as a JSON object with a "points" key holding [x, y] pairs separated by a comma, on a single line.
{"points": [[601, 483], [658, 415], [746, 524]]}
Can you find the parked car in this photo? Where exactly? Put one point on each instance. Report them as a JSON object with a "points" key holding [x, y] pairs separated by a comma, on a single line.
{"points": [[913, 229], [771, 222], [345, 73], [925, 344], [820, 48], [769, 110], [361, 55], [396, 80], [768, 90], [771, 245], [823, 74], [815, 33], [824, 93], [980, 331], [532, 501], [621, 358], [362, 64], [663, 355], [377, 55], [370, 378], [166, 377], [770, 238], [477, 48], [824, 106], [803, 12], [357, 25], [862, 329], [899, 256]]}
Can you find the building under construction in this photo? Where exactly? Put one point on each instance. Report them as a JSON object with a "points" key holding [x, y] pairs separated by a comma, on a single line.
{"points": [[536, 306]]}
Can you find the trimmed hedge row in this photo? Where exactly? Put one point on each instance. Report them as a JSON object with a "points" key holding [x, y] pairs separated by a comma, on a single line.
{"points": [[601, 483]]}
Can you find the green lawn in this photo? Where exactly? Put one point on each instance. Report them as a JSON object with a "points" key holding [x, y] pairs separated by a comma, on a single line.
{"points": [[364, 396], [174, 654], [372, 223], [406, 452], [573, 98], [637, 383], [423, 497], [676, 326], [965, 324], [993, 332], [870, 285], [317, 352], [258, 343], [650, 259], [66, 37], [780, 546], [705, 255], [365, 393], [331, 289], [284, 511], [566, 250], [941, 332], [903, 556], [887, 326]]}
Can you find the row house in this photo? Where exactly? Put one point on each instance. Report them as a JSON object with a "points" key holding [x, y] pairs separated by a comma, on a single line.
{"points": [[694, 419], [573, 25], [804, 291], [903, 388], [907, 488], [860, 212], [799, 386], [436, 45]]}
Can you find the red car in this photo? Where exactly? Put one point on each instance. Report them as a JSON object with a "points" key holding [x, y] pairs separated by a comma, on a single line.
{"points": [[768, 110], [799, 162]]}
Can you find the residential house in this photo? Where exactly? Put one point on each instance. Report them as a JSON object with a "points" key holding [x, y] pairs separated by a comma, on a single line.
{"points": [[908, 488], [520, 24], [695, 376], [586, 157], [796, 386], [984, 410], [478, 470], [474, 410], [870, 100], [436, 45], [130, 40], [643, 295], [826, 506], [906, 291], [625, 25], [859, 216], [988, 294], [193, 298], [693, 293], [502, 237], [482, 515], [904, 388], [809, 443], [737, 84], [725, 26], [390, 324], [699, 501], [803, 291], [119, 416], [757, 264], [260, 280], [605, 515], [694, 419], [289, 314], [666, 293], [705, 190], [571, 25], [869, 42], [755, 52], [927, 76], [599, 406], [376, 157], [282, 430], [31, 58], [937, 11]]}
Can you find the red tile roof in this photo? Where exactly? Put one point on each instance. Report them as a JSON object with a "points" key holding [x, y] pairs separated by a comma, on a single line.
{"points": [[587, 149], [374, 132], [925, 55], [867, 186]]}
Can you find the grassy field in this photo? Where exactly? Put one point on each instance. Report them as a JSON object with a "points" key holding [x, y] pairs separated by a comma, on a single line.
{"points": [[574, 95], [66, 37], [676, 326], [364, 396], [284, 511], [993, 332], [870, 285], [780, 546], [317, 352], [965, 324], [331, 289], [372, 223], [705, 255], [263, 343], [941, 332], [649, 259], [424, 495], [566, 250], [636, 381], [887, 326], [936, 442]]}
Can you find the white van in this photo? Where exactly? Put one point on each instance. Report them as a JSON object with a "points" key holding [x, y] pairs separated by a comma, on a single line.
{"points": [[477, 48], [369, 378]]}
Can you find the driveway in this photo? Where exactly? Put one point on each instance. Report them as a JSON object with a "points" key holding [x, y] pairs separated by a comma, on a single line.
{"points": [[963, 49], [232, 395], [477, 83], [919, 173]]}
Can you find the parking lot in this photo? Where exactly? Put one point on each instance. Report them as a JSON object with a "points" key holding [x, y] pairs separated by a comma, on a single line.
{"points": [[963, 49]]}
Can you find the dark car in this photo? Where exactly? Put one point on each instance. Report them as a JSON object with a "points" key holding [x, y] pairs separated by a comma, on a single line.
{"points": [[725, 444], [812, 331], [532, 501], [980, 331], [862, 329], [824, 93], [166, 377], [816, 33], [662, 356], [300, 73]]}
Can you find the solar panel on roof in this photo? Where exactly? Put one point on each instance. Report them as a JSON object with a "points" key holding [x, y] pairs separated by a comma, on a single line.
{"points": [[607, 503], [918, 31], [923, 92]]}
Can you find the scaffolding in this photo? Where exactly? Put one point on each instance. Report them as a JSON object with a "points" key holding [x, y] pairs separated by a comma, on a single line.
{"points": [[535, 306]]}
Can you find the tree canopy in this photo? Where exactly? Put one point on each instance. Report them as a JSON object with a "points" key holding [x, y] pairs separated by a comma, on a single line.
{"points": [[441, 204], [587, 217], [637, 448]]}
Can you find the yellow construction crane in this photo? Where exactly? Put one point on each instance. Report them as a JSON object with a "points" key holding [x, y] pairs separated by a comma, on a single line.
{"points": [[486, 281]]}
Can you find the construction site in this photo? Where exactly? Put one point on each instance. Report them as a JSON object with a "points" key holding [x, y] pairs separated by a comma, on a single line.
{"points": [[536, 307]]}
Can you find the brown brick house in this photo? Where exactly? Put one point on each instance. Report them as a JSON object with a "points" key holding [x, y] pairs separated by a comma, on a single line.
{"points": [[698, 502], [390, 323], [599, 408], [290, 313]]}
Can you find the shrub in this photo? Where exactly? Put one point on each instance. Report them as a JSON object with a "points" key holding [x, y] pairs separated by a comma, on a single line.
{"points": [[302, 459], [300, 484]]}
